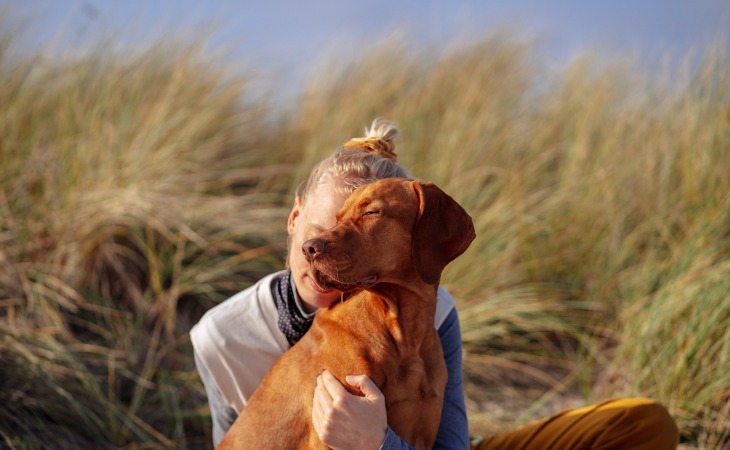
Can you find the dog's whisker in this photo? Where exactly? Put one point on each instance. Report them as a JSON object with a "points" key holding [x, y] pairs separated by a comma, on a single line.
{"points": [[349, 259]]}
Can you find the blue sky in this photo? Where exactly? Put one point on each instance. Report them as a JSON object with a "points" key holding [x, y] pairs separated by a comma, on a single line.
{"points": [[286, 36]]}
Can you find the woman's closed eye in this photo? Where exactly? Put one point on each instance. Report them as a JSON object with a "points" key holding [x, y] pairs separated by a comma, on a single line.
{"points": [[313, 230]]}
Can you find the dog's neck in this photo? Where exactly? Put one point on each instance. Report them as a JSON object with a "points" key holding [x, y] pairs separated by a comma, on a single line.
{"points": [[409, 312]]}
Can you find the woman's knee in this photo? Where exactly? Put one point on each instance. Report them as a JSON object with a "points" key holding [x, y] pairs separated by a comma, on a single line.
{"points": [[651, 418]]}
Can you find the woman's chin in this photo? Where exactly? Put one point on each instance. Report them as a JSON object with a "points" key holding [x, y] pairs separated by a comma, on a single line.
{"points": [[327, 301], [319, 289], [321, 298]]}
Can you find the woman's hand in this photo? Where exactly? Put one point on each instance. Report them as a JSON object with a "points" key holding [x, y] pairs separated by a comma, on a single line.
{"points": [[346, 421]]}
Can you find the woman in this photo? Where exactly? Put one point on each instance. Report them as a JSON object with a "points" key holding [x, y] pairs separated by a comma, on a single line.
{"points": [[236, 342]]}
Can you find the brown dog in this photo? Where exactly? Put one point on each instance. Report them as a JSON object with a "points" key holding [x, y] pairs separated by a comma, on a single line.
{"points": [[392, 240]]}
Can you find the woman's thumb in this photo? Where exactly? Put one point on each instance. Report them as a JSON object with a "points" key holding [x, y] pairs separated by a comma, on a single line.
{"points": [[365, 384]]}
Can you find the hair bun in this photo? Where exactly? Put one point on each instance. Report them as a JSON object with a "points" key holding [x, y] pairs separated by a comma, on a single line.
{"points": [[379, 139]]}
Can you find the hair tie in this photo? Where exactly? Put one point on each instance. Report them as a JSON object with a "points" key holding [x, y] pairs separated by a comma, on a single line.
{"points": [[373, 145]]}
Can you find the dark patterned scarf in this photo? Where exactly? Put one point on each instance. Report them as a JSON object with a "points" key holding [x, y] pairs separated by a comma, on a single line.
{"points": [[291, 321]]}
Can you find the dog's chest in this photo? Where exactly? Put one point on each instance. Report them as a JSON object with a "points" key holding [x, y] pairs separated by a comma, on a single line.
{"points": [[414, 397], [417, 379]]}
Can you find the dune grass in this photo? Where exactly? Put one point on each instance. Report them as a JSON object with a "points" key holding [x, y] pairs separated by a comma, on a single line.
{"points": [[139, 190]]}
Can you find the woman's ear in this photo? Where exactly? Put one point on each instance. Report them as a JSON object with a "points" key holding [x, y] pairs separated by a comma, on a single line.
{"points": [[294, 215]]}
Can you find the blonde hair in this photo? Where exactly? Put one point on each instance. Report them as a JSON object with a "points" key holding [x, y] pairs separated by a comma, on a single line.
{"points": [[358, 161]]}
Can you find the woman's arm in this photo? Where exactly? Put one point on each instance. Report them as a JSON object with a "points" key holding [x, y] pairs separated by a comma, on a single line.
{"points": [[454, 427], [222, 414]]}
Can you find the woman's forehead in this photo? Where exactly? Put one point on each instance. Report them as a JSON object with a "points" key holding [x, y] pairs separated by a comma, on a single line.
{"points": [[322, 204]]}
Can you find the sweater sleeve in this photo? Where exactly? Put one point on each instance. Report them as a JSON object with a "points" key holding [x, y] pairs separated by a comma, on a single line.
{"points": [[454, 429], [221, 412]]}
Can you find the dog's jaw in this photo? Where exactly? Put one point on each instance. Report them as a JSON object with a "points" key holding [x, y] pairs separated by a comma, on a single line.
{"points": [[328, 282]]}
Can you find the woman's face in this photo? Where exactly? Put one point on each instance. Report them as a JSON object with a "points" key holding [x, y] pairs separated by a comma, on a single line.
{"points": [[306, 221]]}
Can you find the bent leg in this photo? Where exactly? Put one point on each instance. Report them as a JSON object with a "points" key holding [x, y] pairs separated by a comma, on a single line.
{"points": [[626, 424]]}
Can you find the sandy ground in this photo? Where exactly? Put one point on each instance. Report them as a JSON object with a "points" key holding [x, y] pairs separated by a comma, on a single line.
{"points": [[493, 411]]}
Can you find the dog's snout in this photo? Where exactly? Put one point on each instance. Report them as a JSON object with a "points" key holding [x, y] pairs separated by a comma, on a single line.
{"points": [[312, 248]]}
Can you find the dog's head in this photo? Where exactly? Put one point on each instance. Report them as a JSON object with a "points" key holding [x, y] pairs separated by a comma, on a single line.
{"points": [[385, 232]]}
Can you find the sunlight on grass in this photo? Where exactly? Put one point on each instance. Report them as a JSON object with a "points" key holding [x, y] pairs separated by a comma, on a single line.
{"points": [[139, 190]]}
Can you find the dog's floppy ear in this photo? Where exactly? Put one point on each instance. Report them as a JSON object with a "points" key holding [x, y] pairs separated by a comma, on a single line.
{"points": [[442, 232]]}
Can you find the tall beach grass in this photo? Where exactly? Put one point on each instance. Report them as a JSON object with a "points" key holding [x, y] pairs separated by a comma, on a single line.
{"points": [[138, 190]]}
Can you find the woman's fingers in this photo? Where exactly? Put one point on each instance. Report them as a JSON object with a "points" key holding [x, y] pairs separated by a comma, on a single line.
{"points": [[346, 421], [365, 385], [332, 385]]}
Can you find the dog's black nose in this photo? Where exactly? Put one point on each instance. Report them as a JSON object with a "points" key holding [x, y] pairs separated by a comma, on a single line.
{"points": [[312, 248]]}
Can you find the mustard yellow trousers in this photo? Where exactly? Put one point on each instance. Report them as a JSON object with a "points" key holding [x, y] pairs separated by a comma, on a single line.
{"points": [[625, 424]]}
